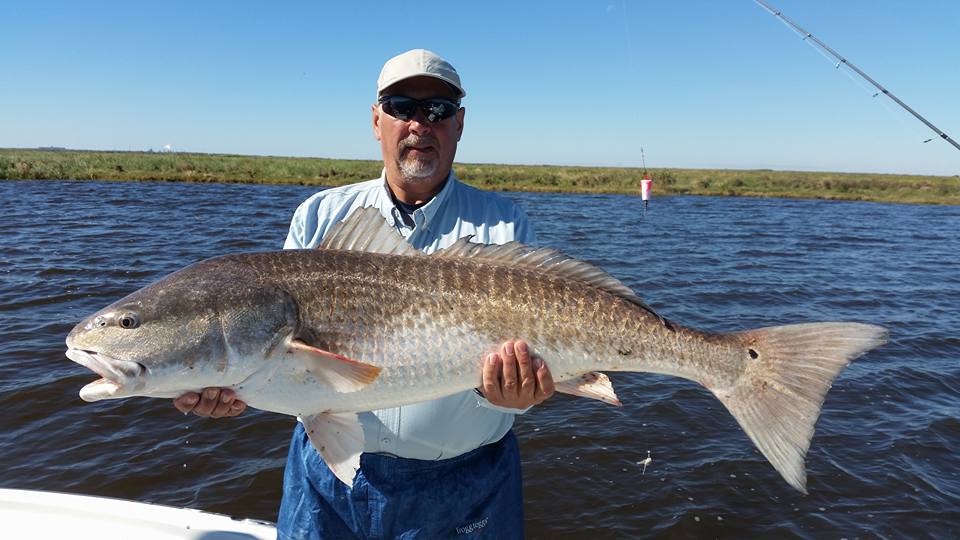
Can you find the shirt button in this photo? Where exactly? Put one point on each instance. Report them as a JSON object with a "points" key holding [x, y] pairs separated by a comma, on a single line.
{"points": [[386, 440]]}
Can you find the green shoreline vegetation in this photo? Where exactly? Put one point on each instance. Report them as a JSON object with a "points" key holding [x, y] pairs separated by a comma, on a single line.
{"points": [[54, 164]]}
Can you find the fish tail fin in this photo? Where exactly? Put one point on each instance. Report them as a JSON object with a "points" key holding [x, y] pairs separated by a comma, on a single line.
{"points": [[778, 397]]}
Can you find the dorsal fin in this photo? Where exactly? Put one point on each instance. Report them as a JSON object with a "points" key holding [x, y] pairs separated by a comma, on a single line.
{"points": [[548, 260], [366, 230]]}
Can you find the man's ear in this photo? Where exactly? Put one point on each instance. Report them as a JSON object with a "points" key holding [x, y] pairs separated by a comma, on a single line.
{"points": [[376, 120], [460, 115]]}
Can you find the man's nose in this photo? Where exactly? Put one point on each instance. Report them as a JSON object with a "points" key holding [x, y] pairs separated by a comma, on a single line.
{"points": [[419, 123]]}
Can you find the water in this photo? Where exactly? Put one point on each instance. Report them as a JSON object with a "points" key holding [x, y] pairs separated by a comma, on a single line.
{"points": [[882, 463]]}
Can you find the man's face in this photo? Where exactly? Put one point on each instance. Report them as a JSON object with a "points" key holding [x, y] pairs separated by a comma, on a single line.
{"points": [[417, 154]]}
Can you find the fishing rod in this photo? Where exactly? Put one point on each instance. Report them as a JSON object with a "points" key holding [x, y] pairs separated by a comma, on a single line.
{"points": [[823, 46]]}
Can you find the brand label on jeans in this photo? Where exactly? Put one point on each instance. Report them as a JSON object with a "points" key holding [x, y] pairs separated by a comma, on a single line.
{"points": [[475, 526]]}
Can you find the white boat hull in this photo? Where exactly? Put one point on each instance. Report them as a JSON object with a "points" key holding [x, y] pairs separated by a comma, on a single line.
{"points": [[27, 514]]}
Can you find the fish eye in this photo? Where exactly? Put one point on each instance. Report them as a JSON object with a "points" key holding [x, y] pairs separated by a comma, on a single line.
{"points": [[128, 321]]}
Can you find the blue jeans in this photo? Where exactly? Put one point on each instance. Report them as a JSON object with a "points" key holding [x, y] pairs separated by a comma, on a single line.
{"points": [[474, 495]]}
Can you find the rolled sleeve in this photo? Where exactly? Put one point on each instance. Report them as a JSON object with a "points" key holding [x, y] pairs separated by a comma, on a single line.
{"points": [[522, 230], [296, 233], [482, 401]]}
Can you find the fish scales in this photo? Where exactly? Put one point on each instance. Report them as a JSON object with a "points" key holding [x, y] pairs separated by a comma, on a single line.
{"points": [[406, 313]]}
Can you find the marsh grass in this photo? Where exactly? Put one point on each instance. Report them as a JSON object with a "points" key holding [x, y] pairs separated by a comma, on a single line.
{"points": [[177, 167]]}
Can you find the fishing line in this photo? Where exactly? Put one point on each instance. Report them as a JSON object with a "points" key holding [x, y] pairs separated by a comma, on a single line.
{"points": [[895, 113], [632, 63], [839, 60], [626, 31], [874, 93]]}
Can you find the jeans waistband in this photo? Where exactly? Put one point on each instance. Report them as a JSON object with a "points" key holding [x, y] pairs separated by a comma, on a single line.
{"points": [[400, 464]]}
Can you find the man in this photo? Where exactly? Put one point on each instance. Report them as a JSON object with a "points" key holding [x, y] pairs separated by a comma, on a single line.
{"points": [[437, 469]]}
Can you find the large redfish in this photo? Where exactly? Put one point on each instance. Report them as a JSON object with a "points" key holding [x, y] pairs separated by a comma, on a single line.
{"points": [[366, 322]]}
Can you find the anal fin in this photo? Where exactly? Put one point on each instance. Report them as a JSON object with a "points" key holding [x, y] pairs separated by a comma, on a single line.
{"points": [[338, 437], [593, 385]]}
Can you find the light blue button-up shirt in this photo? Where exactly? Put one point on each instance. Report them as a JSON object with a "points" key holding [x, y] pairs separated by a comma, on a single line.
{"points": [[453, 425]]}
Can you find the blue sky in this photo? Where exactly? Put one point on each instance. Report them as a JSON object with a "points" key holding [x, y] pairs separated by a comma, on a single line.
{"points": [[699, 84]]}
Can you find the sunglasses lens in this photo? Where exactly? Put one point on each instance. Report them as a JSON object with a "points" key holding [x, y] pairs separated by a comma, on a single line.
{"points": [[438, 109], [399, 107], [404, 108]]}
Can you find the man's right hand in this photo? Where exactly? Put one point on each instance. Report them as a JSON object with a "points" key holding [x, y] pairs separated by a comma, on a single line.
{"points": [[211, 402]]}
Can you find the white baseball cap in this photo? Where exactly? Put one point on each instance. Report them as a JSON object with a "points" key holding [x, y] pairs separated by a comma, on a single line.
{"points": [[418, 63]]}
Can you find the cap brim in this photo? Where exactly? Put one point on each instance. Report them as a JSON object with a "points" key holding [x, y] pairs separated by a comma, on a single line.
{"points": [[460, 92]]}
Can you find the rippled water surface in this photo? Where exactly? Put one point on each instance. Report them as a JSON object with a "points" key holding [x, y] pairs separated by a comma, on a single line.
{"points": [[882, 464]]}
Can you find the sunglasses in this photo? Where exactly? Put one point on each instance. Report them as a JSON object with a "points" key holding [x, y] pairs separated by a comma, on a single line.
{"points": [[433, 109]]}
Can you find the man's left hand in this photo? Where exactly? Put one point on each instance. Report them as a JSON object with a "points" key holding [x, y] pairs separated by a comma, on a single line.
{"points": [[514, 379]]}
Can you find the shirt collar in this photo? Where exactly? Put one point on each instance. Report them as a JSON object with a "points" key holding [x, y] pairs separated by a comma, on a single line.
{"points": [[429, 210]]}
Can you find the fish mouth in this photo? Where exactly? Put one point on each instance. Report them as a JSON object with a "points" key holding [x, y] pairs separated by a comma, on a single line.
{"points": [[119, 378]]}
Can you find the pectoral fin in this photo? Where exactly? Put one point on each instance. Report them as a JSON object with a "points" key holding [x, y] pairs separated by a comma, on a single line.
{"points": [[338, 437], [342, 373], [592, 385]]}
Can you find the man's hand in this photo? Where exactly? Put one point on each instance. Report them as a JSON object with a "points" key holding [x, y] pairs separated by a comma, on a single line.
{"points": [[212, 402], [512, 379]]}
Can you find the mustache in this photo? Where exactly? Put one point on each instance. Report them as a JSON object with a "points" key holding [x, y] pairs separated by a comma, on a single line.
{"points": [[417, 140]]}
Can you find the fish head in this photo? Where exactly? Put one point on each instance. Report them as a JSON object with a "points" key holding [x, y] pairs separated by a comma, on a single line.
{"points": [[205, 325]]}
